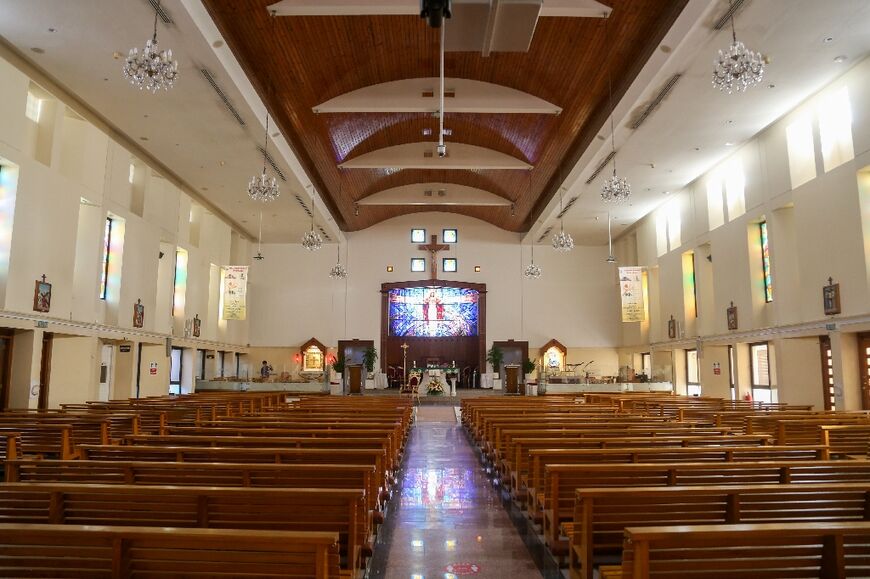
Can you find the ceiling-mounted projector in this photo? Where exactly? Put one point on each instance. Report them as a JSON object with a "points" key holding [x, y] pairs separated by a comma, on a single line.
{"points": [[435, 11]]}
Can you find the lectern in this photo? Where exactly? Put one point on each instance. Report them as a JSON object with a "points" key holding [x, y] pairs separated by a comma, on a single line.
{"points": [[512, 379], [354, 379]]}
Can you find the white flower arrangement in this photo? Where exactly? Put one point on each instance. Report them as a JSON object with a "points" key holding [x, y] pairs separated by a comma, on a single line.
{"points": [[435, 387]]}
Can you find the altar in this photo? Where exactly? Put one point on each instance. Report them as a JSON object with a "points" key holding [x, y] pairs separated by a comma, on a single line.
{"points": [[448, 376]]}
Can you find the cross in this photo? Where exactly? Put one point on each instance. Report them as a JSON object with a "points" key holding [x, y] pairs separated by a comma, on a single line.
{"points": [[434, 247]]}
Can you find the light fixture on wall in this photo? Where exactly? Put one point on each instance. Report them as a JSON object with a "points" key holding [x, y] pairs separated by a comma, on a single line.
{"points": [[737, 68], [532, 271], [152, 69], [610, 258], [262, 188], [615, 189], [338, 271], [312, 240]]}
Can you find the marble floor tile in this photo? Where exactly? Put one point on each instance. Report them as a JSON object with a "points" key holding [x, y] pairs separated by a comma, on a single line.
{"points": [[447, 521]]}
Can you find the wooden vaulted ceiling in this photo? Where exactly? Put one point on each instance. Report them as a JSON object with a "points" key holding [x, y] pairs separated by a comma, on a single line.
{"points": [[298, 62]]}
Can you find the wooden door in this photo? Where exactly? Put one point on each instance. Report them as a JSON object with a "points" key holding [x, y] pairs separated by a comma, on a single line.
{"points": [[45, 370], [354, 379], [511, 377], [864, 357], [5, 368]]}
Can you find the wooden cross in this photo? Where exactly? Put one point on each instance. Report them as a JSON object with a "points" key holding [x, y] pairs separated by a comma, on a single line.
{"points": [[434, 247]]}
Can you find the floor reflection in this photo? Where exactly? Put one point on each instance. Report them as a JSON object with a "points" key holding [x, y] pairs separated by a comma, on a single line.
{"points": [[438, 488]]}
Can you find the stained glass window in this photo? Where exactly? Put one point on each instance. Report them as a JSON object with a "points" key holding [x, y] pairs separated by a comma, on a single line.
{"points": [[418, 264], [433, 312], [107, 245], [765, 262], [418, 236], [449, 235], [449, 264]]}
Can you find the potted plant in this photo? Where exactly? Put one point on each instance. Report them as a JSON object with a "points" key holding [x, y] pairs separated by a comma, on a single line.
{"points": [[338, 365], [370, 356], [529, 367], [495, 357]]}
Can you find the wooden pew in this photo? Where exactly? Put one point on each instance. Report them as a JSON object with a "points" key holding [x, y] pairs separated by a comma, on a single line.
{"points": [[833, 550], [546, 480], [568, 478], [331, 510], [846, 440], [98, 552], [603, 513], [193, 454], [330, 476], [39, 440]]}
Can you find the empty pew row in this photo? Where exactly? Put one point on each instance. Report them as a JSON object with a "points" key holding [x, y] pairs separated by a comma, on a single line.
{"points": [[833, 550], [330, 510], [110, 552], [603, 513]]}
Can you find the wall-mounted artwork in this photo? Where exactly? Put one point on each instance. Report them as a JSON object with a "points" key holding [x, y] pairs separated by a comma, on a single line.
{"points": [[138, 314], [831, 298], [42, 296], [732, 317], [197, 326], [433, 312]]}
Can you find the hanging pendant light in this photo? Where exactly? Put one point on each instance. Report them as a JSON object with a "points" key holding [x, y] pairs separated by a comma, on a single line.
{"points": [[152, 69], [532, 271], [261, 188], [312, 240], [259, 255], [615, 189], [737, 68], [562, 241], [338, 271], [610, 258]]}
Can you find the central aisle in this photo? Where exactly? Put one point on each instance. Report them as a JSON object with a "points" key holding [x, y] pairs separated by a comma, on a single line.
{"points": [[447, 520]]}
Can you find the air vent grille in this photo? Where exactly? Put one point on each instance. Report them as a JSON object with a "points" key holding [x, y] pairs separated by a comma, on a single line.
{"points": [[723, 20], [209, 77], [656, 101], [303, 205], [600, 167], [161, 13], [545, 234], [567, 207], [272, 163]]}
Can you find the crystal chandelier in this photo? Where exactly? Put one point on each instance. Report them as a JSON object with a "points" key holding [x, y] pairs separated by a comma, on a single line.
{"points": [[338, 271], [562, 242], [152, 69], [312, 240], [737, 68], [615, 189], [261, 188], [532, 271]]}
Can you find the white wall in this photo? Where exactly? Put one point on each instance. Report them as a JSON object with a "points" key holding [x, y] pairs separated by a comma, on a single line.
{"points": [[574, 301], [816, 229], [59, 180]]}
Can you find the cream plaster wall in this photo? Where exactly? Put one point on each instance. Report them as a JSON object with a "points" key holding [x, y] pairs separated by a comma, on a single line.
{"points": [[59, 180]]}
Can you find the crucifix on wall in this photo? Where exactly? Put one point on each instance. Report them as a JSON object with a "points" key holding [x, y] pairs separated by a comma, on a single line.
{"points": [[433, 248]]}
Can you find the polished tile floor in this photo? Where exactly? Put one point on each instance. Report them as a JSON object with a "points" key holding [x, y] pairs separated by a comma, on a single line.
{"points": [[447, 521]]}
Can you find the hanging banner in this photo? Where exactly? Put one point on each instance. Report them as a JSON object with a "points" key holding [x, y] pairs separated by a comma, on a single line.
{"points": [[631, 290], [235, 291]]}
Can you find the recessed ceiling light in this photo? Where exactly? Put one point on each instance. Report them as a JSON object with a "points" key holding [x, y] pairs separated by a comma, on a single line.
{"points": [[729, 122], [117, 55], [666, 193], [729, 144], [697, 148], [38, 50], [828, 39], [143, 138], [223, 163], [275, 134], [217, 43], [665, 48], [841, 58], [106, 79], [52, 29], [771, 85], [204, 188]]}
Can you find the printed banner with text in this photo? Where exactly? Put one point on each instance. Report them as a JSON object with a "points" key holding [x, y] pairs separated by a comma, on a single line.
{"points": [[235, 291], [631, 290]]}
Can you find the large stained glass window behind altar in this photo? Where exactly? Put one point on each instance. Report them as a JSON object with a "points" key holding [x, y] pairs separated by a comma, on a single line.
{"points": [[433, 312]]}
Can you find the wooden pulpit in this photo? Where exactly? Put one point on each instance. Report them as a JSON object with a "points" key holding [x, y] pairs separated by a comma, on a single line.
{"points": [[354, 379], [512, 379]]}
